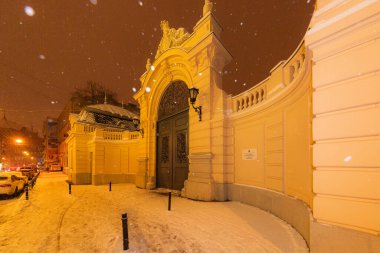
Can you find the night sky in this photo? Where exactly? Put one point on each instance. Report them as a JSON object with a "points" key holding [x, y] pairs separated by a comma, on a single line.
{"points": [[46, 54]]}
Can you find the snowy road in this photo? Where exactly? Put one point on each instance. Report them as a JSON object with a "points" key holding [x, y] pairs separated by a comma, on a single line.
{"points": [[89, 220]]}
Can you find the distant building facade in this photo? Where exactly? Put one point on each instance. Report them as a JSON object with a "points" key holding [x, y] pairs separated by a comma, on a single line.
{"points": [[50, 133], [19, 146], [63, 127], [102, 145]]}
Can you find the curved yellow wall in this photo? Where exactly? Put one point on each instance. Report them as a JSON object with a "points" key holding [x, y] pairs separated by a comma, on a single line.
{"points": [[344, 40], [273, 119]]}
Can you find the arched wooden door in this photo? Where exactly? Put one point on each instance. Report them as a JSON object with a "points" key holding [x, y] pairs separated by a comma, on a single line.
{"points": [[173, 137]]}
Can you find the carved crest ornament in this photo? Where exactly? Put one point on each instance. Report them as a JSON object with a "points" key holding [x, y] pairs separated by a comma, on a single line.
{"points": [[171, 37]]}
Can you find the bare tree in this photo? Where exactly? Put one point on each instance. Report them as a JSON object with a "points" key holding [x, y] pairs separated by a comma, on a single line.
{"points": [[93, 93]]}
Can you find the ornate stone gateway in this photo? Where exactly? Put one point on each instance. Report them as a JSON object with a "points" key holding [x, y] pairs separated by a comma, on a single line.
{"points": [[189, 155], [173, 118]]}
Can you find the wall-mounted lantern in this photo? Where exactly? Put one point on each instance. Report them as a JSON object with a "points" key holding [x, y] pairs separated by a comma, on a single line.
{"points": [[136, 122], [193, 97]]}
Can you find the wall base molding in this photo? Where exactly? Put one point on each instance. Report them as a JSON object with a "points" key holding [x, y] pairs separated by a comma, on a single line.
{"points": [[293, 211]]}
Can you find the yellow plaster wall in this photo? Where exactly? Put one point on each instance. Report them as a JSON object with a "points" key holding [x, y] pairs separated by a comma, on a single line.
{"points": [[279, 128], [344, 40], [114, 158], [113, 153]]}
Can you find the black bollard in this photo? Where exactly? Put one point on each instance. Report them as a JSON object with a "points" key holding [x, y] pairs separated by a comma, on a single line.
{"points": [[26, 192], [124, 221], [170, 201], [110, 186], [69, 188]]}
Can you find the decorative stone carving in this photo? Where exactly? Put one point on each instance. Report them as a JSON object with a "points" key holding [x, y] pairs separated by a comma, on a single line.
{"points": [[174, 100], [148, 64], [207, 7], [171, 37]]}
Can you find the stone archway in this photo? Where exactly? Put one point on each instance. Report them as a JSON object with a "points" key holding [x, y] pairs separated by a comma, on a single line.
{"points": [[198, 60], [173, 137]]}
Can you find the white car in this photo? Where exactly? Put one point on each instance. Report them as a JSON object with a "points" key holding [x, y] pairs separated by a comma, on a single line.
{"points": [[10, 184], [18, 174]]}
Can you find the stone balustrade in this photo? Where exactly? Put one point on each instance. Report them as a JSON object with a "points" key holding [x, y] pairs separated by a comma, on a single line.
{"points": [[105, 133], [281, 76], [88, 129]]}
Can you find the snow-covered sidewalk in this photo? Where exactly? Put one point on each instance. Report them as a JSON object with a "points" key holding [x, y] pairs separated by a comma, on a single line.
{"points": [[89, 220]]}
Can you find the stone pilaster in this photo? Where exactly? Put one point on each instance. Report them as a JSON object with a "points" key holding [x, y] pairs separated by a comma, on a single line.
{"points": [[208, 170]]}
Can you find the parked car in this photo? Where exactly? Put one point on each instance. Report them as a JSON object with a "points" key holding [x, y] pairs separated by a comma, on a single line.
{"points": [[10, 184], [40, 168], [19, 174], [55, 167], [34, 167], [27, 171], [13, 169]]}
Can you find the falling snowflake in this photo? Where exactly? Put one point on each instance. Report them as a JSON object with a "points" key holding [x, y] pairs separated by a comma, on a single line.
{"points": [[347, 159], [29, 11], [147, 89], [241, 23], [140, 3], [134, 89], [42, 57], [94, 2]]}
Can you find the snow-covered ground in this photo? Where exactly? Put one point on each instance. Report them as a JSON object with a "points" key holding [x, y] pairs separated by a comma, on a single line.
{"points": [[89, 220]]}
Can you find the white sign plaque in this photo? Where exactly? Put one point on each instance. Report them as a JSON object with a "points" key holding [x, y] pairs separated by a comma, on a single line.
{"points": [[249, 154]]}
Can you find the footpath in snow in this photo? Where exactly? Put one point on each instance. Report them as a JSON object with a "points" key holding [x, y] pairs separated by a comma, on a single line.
{"points": [[89, 220]]}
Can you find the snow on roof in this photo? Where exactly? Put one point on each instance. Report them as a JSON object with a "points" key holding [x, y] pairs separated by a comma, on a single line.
{"points": [[108, 115], [111, 109]]}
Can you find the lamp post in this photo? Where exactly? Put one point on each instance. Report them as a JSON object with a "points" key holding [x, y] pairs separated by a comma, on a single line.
{"points": [[193, 97]]}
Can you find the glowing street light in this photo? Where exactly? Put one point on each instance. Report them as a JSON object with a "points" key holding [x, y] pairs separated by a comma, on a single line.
{"points": [[19, 141]]}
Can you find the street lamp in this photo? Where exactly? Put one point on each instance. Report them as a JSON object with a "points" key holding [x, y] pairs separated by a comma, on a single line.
{"points": [[193, 97]]}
